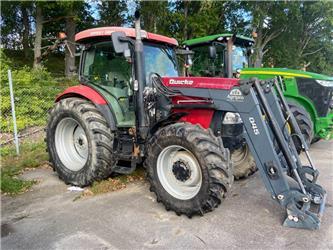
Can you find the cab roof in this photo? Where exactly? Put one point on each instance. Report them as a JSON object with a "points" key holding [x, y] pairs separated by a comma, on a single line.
{"points": [[240, 40], [91, 35]]}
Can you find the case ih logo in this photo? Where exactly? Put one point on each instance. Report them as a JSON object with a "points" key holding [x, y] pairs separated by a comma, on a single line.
{"points": [[180, 82], [235, 95]]}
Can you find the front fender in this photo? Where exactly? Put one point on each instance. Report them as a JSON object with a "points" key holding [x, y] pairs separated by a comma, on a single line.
{"points": [[95, 97]]}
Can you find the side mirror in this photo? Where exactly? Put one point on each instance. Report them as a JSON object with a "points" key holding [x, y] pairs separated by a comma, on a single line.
{"points": [[72, 69], [120, 43], [212, 52]]}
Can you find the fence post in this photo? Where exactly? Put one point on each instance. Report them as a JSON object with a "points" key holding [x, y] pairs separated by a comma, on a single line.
{"points": [[13, 111]]}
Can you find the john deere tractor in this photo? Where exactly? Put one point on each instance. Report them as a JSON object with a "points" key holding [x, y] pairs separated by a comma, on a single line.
{"points": [[131, 107], [309, 95]]}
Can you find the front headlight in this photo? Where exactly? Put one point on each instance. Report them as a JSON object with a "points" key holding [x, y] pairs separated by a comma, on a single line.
{"points": [[232, 118], [325, 83]]}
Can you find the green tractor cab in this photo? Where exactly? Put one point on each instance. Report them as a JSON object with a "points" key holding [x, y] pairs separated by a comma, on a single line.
{"points": [[309, 95]]}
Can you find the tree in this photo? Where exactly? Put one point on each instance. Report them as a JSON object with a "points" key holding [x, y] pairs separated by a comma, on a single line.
{"points": [[25, 9], [59, 16], [38, 35], [112, 13], [306, 42], [269, 20], [194, 19], [155, 16], [15, 25], [70, 45]]}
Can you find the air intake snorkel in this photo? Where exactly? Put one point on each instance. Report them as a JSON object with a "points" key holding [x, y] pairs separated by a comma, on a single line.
{"points": [[140, 80]]}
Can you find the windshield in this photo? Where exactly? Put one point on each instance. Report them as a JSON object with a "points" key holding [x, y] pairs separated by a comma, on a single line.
{"points": [[103, 66], [160, 59], [239, 58]]}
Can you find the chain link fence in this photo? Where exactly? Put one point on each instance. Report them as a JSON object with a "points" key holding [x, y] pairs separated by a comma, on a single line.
{"points": [[32, 103]]}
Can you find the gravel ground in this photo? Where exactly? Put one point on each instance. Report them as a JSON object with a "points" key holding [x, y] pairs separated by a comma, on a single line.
{"points": [[48, 218]]}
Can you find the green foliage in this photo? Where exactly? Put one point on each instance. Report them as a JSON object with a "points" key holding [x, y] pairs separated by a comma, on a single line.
{"points": [[112, 13], [307, 39], [190, 19], [32, 155], [290, 33], [34, 92]]}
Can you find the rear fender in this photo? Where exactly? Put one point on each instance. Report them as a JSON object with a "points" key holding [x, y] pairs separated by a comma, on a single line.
{"points": [[95, 97]]}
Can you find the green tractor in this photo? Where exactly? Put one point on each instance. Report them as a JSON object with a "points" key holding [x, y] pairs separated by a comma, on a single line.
{"points": [[309, 95]]}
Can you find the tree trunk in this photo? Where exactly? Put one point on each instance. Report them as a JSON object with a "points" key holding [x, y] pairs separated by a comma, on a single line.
{"points": [[186, 2], [258, 50], [38, 38], [259, 54], [70, 48], [25, 33]]}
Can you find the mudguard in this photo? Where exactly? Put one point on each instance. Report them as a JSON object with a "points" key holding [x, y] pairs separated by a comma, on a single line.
{"points": [[95, 97]]}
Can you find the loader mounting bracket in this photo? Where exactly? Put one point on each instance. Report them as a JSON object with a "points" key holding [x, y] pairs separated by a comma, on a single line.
{"points": [[298, 213]]}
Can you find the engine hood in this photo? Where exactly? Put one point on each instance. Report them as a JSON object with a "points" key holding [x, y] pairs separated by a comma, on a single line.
{"points": [[284, 72]]}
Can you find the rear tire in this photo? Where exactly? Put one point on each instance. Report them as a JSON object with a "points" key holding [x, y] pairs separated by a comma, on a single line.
{"points": [[188, 169], [305, 124], [79, 142], [243, 162]]}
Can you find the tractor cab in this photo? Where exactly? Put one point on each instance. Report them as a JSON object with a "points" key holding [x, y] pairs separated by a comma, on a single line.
{"points": [[112, 72], [222, 55]]}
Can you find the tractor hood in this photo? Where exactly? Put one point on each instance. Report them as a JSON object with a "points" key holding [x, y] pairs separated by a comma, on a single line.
{"points": [[285, 73], [200, 82]]}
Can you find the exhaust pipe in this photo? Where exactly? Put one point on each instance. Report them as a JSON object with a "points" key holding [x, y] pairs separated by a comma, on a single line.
{"points": [[140, 81]]}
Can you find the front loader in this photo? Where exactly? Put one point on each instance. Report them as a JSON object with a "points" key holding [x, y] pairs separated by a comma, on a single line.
{"points": [[132, 107]]}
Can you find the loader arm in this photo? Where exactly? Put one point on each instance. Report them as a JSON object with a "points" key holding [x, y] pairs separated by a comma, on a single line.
{"points": [[282, 171]]}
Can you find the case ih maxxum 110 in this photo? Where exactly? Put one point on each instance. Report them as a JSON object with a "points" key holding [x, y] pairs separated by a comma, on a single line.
{"points": [[124, 113]]}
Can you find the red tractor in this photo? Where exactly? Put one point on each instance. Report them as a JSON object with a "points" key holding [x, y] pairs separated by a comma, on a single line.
{"points": [[131, 107]]}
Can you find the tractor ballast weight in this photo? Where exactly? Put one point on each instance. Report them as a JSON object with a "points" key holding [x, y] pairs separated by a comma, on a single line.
{"points": [[175, 132]]}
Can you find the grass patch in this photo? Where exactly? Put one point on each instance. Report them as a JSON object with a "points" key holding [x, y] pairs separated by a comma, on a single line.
{"points": [[32, 155], [115, 183]]}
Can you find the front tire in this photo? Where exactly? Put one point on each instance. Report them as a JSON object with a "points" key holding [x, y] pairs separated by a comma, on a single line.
{"points": [[188, 169], [79, 142], [305, 124]]}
